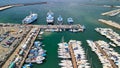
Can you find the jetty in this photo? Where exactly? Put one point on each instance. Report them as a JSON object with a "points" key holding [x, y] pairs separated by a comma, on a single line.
{"points": [[112, 13], [5, 7], [109, 22], [19, 5]]}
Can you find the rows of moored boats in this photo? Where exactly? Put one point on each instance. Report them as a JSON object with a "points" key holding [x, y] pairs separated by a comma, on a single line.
{"points": [[79, 54], [23, 49], [108, 57], [110, 34], [49, 19], [36, 54], [64, 55]]}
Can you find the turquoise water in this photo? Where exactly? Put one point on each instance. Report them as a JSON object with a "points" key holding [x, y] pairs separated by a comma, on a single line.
{"points": [[83, 14]]}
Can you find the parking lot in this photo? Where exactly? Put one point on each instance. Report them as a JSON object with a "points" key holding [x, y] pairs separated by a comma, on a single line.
{"points": [[9, 40]]}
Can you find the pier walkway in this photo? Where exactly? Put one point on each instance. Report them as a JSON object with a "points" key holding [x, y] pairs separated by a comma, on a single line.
{"points": [[77, 26], [73, 56], [74, 26], [111, 23]]}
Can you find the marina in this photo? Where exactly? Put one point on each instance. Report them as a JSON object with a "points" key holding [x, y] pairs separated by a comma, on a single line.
{"points": [[83, 12]]}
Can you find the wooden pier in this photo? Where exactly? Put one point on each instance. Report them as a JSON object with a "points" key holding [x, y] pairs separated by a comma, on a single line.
{"points": [[73, 56]]}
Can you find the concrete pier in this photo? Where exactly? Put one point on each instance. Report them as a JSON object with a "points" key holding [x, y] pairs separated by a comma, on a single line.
{"points": [[5, 7], [109, 22], [112, 13]]}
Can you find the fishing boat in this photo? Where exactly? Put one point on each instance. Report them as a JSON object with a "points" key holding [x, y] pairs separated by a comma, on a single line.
{"points": [[50, 18], [60, 20], [70, 20]]}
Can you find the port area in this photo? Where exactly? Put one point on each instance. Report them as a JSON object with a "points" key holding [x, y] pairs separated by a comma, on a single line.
{"points": [[108, 57], [109, 22], [10, 38], [110, 34], [15, 38], [112, 13], [15, 58]]}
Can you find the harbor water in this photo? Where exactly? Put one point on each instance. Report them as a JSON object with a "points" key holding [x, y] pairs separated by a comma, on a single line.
{"points": [[84, 12]]}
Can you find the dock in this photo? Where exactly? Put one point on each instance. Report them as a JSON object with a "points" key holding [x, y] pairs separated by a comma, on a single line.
{"points": [[112, 13], [76, 26], [73, 56], [109, 22]]}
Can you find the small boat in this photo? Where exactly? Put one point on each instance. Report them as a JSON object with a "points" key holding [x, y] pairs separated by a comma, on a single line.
{"points": [[60, 20], [70, 20], [27, 65], [112, 44]]}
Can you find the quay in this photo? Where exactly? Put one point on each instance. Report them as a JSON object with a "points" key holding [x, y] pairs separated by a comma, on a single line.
{"points": [[73, 56], [15, 54], [77, 26], [74, 27], [112, 13], [109, 22]]}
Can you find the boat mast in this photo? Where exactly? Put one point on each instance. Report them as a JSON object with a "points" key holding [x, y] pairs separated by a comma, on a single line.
{"points": [[62, 40]]}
